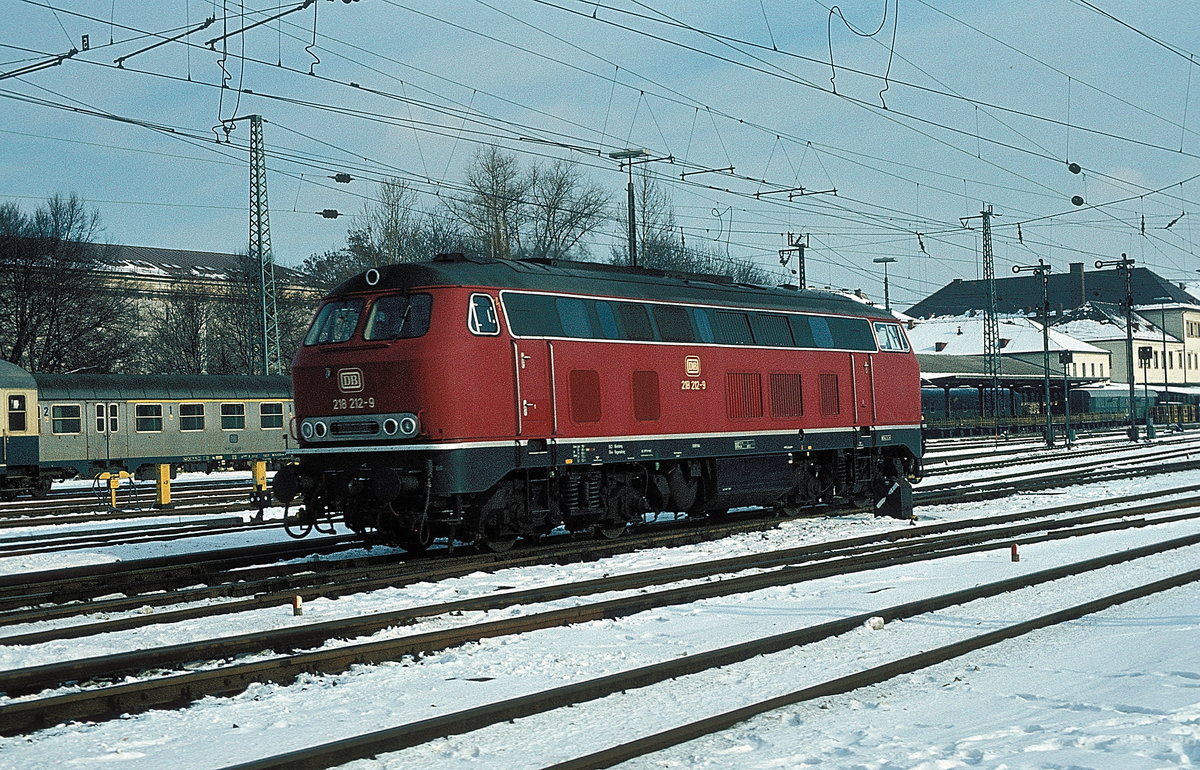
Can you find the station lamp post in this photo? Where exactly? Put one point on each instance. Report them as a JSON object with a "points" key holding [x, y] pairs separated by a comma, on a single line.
{"points": [[885, 261], [1065, 357], [1145, 353], [1162, 325], [1042, 270], [1125, 265]]}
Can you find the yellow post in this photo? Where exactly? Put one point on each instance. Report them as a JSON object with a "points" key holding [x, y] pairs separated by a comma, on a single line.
{"points": [[260, 475], [163, 486], [113, 481]]}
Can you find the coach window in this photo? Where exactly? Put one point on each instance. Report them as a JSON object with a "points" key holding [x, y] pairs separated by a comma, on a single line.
{"points": [[674, 323], [17, 413], [270, 416], [634, 321], [148, 418], [802, 332], [400, 316], [573, 316], [890, 337], [481, 319], [191, 417], [233, 416], [335, 322], [66, 419], [106, 413]]}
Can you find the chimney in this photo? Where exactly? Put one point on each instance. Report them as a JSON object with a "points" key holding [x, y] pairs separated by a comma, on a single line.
{"points": [[1078, 294]]}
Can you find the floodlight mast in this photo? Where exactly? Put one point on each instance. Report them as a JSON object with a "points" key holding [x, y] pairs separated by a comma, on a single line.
{"points": [[627, 158], [1042, 270]]}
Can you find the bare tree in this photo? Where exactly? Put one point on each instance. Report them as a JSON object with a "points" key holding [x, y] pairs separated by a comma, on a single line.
{"points": [[391, 229], [660, 246], [562, 209], [494, 207], [58, 312]]}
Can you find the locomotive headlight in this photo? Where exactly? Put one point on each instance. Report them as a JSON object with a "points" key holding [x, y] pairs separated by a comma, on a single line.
{"points": [[390, 426], [320, 429], [306, 430], [408, 425]]}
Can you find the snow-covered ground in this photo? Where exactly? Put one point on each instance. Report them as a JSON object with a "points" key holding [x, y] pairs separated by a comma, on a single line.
{"points": [[1118, 689]]}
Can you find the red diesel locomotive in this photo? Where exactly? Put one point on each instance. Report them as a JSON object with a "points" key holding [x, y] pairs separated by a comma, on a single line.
{"points": [[486, 400]]}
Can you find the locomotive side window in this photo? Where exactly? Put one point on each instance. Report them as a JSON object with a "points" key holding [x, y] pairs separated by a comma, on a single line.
{"points": [[532, 315], [704, 328], [634, 321], [674, 323], [822, 335], [481, 319], [400, 316], [584, 387], [607, 319], [851, 333], [106, 418], [890, 337], [573, 317], [772, 330], [645, 395], [335, 322], [17, 413], [743, 394], [786, 400], [270, 416], [191, 417], [233, 416], [732, 328], [802, 331], [148, 418], [66, 419]]}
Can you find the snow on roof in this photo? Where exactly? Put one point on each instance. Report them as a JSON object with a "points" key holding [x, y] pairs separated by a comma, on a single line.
{"points": [[963, 336]]}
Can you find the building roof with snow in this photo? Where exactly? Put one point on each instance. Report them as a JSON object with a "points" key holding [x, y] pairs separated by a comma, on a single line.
{"points": [[1103, 322], [963, 336], [1068, 289]]}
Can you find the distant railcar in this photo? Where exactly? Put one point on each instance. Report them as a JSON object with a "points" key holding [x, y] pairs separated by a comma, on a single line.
{"points": [[58, 426], [487, 400]]}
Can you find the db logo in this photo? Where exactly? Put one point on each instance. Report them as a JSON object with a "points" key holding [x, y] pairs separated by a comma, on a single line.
{"points": [[350, 380], [691, 365]]}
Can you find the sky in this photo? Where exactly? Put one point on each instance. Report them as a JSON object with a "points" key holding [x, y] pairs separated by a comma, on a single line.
{"points": [[927, 113]]}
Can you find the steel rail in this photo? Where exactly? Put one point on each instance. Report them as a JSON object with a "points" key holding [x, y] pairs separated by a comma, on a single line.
{"points": [[111, 701], [416, 733]]}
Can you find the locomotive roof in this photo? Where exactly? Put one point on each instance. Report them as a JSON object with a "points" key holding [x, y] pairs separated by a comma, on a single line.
{"points": [[160, 386], [13, 377], [600, 279]]}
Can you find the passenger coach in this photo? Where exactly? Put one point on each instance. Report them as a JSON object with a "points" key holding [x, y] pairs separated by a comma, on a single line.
{"points": [[491, 399], [58, 426]]}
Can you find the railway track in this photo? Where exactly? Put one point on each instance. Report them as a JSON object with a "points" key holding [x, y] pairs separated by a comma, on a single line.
{"points": [[620, 684], [782, 568]]}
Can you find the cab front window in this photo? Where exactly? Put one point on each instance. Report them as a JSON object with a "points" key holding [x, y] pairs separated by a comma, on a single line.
{"points": [[335, 322], [400, 316]]}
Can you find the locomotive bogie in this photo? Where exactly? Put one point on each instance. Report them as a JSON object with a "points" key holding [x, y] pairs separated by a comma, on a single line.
{"points": [[584, 396]]}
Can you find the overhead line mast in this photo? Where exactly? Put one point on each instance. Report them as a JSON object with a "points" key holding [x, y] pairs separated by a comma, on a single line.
{"points": [[265, 344], [992, 363]]}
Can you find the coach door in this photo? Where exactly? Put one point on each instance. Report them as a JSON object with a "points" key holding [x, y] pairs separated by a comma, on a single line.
{"points": [[534, 360]]}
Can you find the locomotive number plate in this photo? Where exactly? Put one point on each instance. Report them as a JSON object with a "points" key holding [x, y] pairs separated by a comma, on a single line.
{"points": [[353, 403], [693, 385]]}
